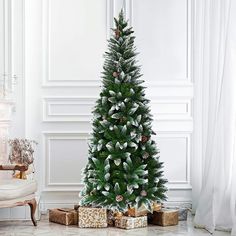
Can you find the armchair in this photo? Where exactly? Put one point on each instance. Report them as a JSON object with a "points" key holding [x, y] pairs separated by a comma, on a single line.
{"points": [[18, 192]]}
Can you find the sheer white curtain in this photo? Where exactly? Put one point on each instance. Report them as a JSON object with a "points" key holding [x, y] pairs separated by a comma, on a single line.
{"points": [[217, 203]]}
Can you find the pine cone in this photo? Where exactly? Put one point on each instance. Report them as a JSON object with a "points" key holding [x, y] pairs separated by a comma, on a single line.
{"points": [[119, 198], [115, 74], [143, 193], [145, 155], [144, 139], [117, 33]]}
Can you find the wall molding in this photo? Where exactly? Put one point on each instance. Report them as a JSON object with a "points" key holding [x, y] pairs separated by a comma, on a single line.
{"points": [[112, 9], [50, 204], [47, 81], [62, 135], [6, 74], [63, 101], [59, 135], [185, 184], [50, 116], [173, 114], [129, 12]]}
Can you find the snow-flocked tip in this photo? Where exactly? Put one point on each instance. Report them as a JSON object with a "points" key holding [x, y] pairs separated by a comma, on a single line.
{"points": [[121, 14]]}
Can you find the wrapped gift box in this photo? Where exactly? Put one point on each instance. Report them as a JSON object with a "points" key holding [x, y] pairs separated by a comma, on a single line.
{"points": [[64, 216], [142, 211], [126, 222], [90, 217], [164, 217], [183, 212]]}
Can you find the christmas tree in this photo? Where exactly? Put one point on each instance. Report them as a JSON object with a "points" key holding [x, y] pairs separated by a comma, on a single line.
{"points": [[123, 167]]}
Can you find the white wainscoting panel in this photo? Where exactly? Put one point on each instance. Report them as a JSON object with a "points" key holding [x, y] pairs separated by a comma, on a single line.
{"points": [[74, 39], [68, 109], [171, 109], [64, 153], [162, 30], [176, 159]]}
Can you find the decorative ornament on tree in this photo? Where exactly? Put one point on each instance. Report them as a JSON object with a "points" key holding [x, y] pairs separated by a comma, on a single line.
{"points": [[122, 153], [119, 198], [143, 193]]}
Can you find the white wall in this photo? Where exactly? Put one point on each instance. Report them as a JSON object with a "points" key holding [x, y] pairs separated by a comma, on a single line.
{"points": [[64, 41], [11, 58]]}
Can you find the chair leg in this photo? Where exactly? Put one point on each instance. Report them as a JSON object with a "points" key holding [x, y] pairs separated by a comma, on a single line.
{"points": [[32, 203]]}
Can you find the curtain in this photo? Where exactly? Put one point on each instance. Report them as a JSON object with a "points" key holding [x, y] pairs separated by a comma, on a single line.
{"points": [[217, 202]]}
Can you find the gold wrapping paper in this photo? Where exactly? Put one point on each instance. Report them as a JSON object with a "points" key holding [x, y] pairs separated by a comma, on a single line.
{"points": [[157, 206], [142, 211], [164, 217], [112, 216], [126, 222], [64, 216], [90, 217]]}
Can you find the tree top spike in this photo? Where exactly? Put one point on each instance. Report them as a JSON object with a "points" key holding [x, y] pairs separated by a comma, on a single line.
{"points": [[121, 14]]}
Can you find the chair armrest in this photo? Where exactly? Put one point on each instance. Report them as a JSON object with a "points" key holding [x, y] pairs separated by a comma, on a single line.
{"points": [[14, 167]]}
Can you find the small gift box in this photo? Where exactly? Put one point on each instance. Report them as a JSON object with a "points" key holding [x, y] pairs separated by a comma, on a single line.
{"points": [[64, 216], [126, 222], [90, 217], [142, 211], [164, 217], [183, 212]]}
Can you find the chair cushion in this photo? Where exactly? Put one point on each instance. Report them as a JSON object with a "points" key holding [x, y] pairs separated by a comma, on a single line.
{"points": [[16, 201], [16, 188]]}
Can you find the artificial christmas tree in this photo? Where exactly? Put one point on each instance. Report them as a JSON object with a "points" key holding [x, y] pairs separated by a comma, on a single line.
{"points": [[123, 168]]}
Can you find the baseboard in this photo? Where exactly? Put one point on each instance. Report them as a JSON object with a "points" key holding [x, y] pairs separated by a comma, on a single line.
{"points": [[62, 199], [49, 200]]}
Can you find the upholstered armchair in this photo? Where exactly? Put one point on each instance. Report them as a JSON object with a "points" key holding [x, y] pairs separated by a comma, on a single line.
{"points": [[18, 192]]}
